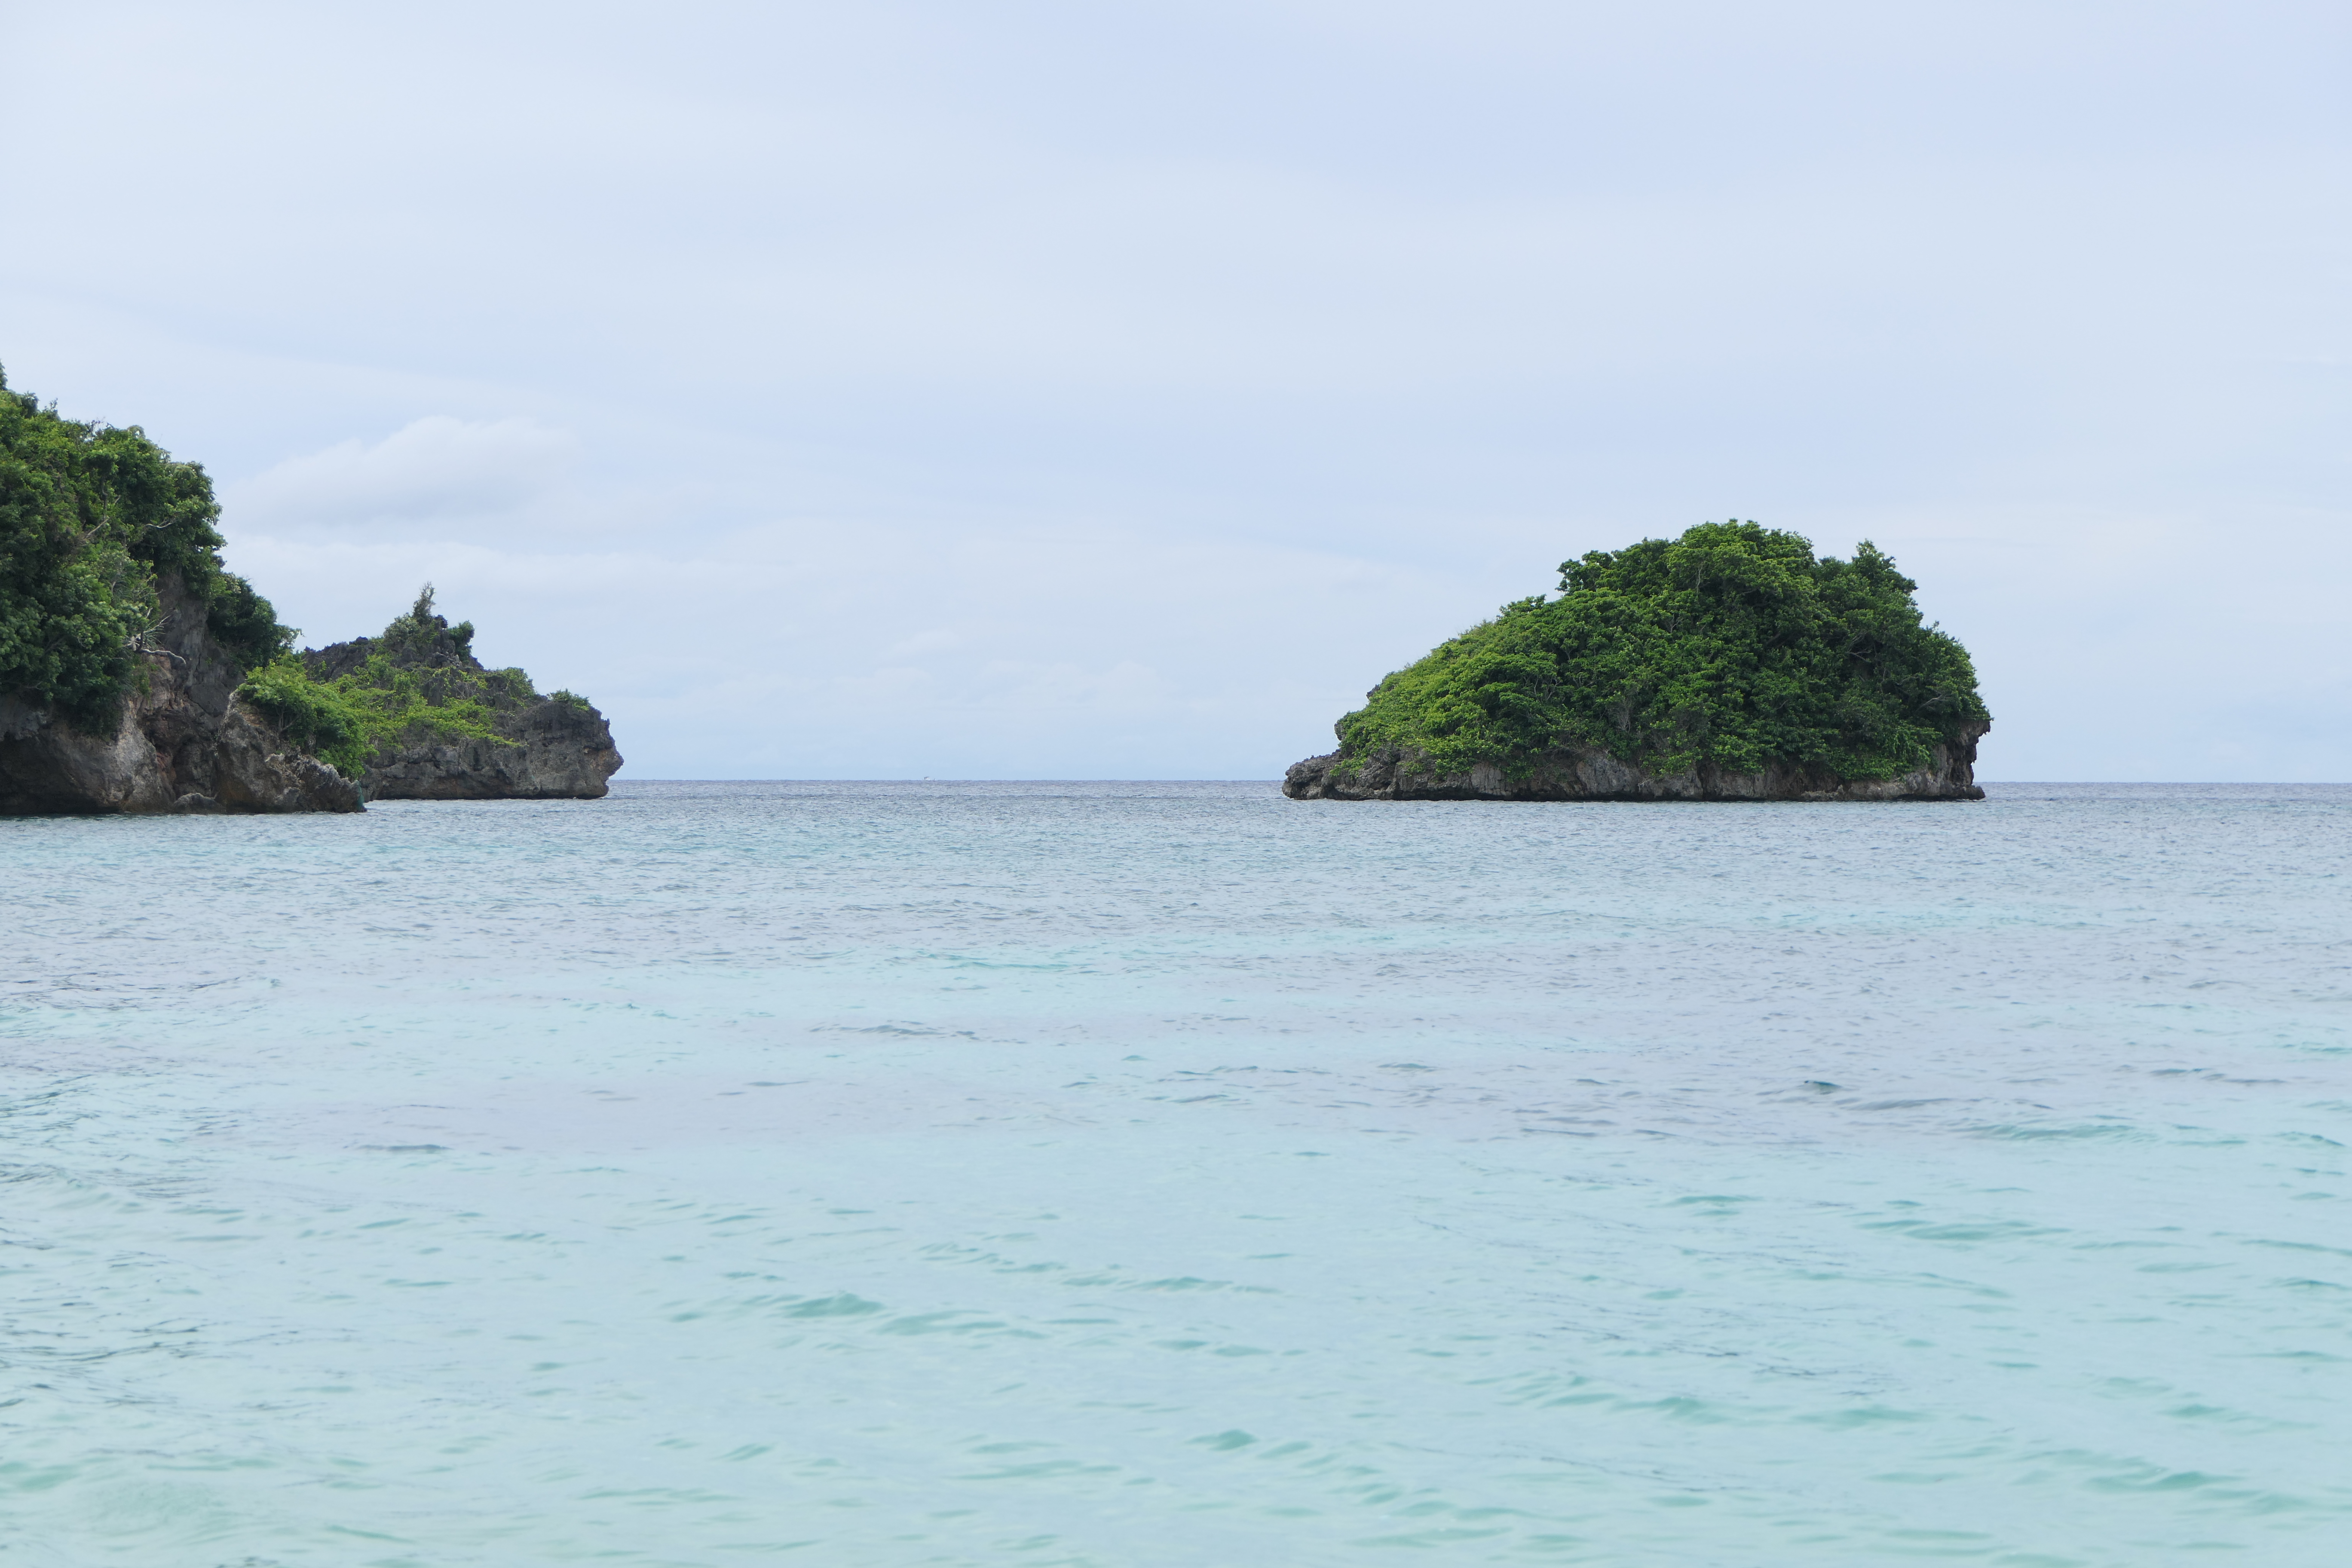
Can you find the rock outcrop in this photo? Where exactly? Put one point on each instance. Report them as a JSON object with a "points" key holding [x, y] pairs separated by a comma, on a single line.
{"points": [[541, 748], [1584, 773], [182, 743], [551, 751]]}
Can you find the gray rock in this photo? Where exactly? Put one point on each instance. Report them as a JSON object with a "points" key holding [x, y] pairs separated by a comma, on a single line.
{"points": [[551, 752], [1583, 772], [184, 743]]}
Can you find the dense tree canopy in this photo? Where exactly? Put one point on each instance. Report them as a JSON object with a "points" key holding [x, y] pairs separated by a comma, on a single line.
{"points": [[1731, 647], [93, 519]]}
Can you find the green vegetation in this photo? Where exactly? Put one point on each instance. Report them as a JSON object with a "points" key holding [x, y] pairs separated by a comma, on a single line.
{"points": [[1731, 647], [419, 682], [344, 720], [95, 523], [320, 716]]}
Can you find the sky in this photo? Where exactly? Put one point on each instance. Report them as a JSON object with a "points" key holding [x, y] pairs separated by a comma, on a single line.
{"points": [[1054, 390]]}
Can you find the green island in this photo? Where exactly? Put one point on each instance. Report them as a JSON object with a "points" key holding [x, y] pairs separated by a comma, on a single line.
{"points": [[138, 674], [1730, 663]]}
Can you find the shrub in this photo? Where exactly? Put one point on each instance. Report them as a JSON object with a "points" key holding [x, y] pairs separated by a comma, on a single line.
{"points": [[318, 715]]}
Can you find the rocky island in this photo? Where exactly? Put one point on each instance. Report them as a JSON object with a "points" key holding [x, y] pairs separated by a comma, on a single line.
{"points": [[414, 715], [137, 674], [1728, 664]]}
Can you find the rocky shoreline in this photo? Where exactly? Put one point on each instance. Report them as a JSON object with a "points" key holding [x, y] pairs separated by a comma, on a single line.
{"points": [[1584, 773], [185, 744]]}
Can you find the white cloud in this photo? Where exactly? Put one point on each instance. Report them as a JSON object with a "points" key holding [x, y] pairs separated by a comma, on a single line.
{"points": [[939, 639], [431, 471]]}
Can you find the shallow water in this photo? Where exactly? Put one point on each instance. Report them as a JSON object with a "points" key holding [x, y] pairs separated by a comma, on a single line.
{"points": [[1131, 1174]]}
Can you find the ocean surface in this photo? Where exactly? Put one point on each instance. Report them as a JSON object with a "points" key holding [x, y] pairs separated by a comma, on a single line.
{"points": [[1131, 1176]]}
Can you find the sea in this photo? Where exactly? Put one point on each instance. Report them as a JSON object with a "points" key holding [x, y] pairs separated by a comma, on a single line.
{"points": [[1173, 1175]]}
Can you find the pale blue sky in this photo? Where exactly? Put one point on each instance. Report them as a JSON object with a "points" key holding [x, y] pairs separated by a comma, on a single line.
{"points": [[1041, 390]]}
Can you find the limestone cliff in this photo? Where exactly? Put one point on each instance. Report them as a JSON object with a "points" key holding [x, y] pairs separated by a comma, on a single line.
{"points": [[179, 740]]}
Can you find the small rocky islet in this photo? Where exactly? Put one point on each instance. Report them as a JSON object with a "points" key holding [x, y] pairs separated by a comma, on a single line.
{"points": [[415, 715], [1730, 664], [139, 675]]}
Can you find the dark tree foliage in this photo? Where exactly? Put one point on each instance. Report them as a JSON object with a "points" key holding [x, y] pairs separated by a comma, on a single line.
{"points": [[244, 623], [1731, 647], [93, 519]]}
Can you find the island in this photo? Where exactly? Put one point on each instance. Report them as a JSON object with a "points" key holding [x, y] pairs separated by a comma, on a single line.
{"points": [[139, 675], [414, 715], [1730, 664]]}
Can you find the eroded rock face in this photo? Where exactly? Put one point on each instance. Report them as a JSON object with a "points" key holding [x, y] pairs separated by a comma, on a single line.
{"points": [[556, 753], [185, 744], [1590, 774]]}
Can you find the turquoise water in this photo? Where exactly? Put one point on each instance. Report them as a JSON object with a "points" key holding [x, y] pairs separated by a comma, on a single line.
{"points": [[1133, 1174]]}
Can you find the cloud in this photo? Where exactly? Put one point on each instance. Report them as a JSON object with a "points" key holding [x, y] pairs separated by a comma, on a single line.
{"points": [[433, 470], [939, 639]]}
